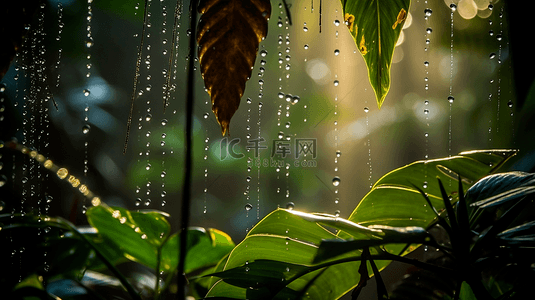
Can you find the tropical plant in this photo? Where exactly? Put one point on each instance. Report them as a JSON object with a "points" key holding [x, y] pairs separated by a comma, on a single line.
{"points": [[292, 254], [484, 238]]}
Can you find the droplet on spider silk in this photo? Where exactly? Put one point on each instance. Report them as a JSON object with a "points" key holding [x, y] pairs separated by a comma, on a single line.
{"points": [[336, 181], [86, 128]]}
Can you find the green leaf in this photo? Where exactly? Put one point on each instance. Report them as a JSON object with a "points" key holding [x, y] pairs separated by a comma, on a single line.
{"points": [[332, 248], [289, 241], [466, 292], [291, 238], [375, 26], [205, 248], [138, 235], [393, 201]]}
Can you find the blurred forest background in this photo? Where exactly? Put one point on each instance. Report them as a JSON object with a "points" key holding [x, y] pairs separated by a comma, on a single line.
{"points": [[492, 109]]}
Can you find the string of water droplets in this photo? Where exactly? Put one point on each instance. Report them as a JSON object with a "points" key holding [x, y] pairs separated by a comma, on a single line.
{"points": [[450, 98], [338, 153], [492, 55], [427, 16]]}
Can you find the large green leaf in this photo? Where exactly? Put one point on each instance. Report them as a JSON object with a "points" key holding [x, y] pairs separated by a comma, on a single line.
{"points": [[290, 239], [276, 259], [205, 248], [375, 26], [394, 201], [140, 235]]}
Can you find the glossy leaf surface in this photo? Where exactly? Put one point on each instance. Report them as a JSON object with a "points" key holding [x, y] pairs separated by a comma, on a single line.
{"points": [[375, 26], [228, 36]]}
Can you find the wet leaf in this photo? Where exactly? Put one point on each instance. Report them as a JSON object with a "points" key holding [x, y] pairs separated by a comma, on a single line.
{"points": [[375, 26], [228, 37]]}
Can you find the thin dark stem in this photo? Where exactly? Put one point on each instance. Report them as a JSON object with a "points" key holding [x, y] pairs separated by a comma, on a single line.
{"points": [[287, 9], [321, 4], [186, 189], [136, 77]]}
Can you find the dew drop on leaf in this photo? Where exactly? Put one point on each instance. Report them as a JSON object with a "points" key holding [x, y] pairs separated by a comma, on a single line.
{"points": [[248, 206], [86, 92], [290, 205]]}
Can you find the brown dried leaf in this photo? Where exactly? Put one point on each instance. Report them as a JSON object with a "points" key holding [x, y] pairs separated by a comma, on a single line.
{"points": [[228, 37]]}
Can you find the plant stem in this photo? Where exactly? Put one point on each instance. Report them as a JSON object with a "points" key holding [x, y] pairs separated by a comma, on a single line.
{"points": [[186, 190]]}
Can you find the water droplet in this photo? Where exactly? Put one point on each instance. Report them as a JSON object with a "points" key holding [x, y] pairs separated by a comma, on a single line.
{"points": [[338, 153], [2, 205], [492, 55], [295, 99], [336, 52], [263, 53], [305, 29], [164, 122], [148, 117], [288, 124], [453, 7], [138, 201], [290, 205], [248, 206], [429, 30], [337, 213], [450, 99], [426, 63], [499, 37], [491, 6], [163, 174], [510, 103], [426, 134], [89, 42], [86, 93], [336, 181], [366, 109], [306, 46], [86, 128], [206, 115], [147, 167], [428, 12], [336, 83], [426, 111]]}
